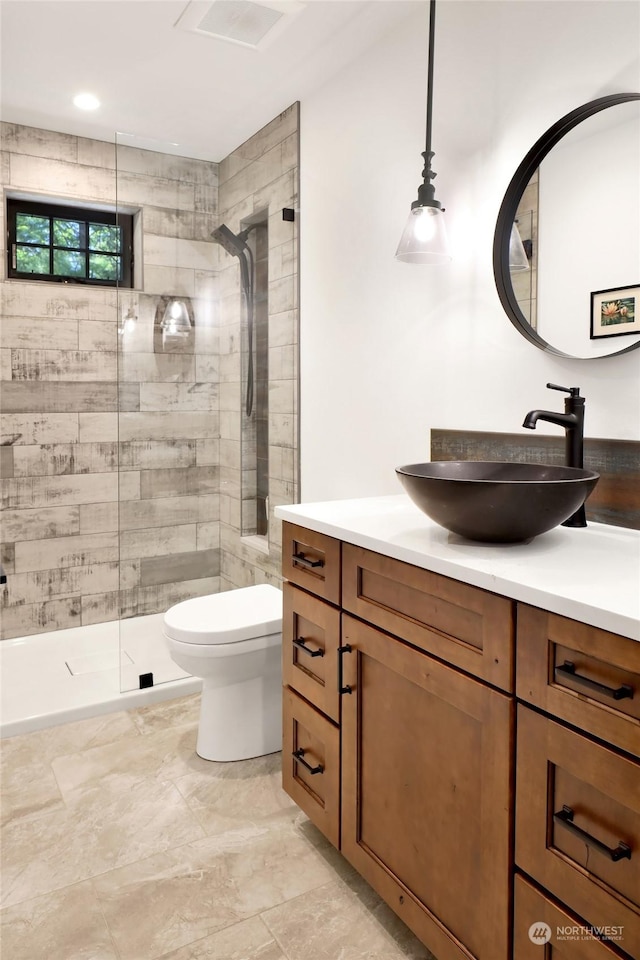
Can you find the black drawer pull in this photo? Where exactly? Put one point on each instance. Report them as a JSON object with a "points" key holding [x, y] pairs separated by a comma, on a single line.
{"points": [[343, 687], [299, 756], [621, 693], [300, 643], [305, 562], [621, 852]]}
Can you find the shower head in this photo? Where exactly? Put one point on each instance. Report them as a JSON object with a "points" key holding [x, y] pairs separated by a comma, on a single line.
{"points": [[229, 241]]}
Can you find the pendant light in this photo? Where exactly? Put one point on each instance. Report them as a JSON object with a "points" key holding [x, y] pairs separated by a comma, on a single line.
{"points": [[517, 253], [424, 239]]}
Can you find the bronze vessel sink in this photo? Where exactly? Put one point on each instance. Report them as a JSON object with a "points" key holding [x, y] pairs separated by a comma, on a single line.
{"points": [[494, 501]]}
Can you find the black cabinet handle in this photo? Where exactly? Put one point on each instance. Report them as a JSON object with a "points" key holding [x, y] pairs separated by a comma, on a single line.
{"points": [[342, 687], [621, 852], [299, 756], [300, 643], [568, 669], [305, 562]]}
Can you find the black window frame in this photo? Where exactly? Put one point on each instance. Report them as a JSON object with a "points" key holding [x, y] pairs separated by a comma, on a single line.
{"points": [[86, 215]]}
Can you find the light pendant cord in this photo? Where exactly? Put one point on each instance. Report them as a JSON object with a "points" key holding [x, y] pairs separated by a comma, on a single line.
{"points": [[426, 190], [432, 33]]}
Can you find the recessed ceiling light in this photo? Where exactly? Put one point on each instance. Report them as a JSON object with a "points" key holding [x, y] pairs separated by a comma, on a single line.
{"points": [[86, 101]]}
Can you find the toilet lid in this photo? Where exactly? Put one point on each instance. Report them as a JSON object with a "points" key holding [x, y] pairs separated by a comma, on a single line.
{"points": [[242, 614]]}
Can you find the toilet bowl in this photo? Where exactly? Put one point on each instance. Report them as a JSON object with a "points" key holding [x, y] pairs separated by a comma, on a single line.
{"points": [[233, 640]]}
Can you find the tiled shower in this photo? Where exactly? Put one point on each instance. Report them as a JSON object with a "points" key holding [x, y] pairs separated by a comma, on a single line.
{"points": [[132, 478]]}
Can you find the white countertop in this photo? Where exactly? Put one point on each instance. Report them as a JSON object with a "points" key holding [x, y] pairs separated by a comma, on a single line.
{"points": [[591, 574]]}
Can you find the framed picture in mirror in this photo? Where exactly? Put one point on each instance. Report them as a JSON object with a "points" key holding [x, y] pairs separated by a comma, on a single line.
{"points": [[614, 312]]}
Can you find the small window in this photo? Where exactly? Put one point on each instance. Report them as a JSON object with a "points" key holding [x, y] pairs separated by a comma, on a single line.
{"points": [[69, 244]]}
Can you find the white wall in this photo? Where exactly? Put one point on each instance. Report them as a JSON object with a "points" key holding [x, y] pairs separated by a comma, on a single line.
{"points": [[390, 350]]}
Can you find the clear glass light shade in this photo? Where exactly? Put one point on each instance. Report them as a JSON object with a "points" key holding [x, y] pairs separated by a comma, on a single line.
{"points": [[424, 239], [128, 322], [176, 322], [517, 255]]}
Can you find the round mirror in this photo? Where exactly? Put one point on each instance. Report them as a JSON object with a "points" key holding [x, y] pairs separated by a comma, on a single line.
{"points": [[566, 251]]}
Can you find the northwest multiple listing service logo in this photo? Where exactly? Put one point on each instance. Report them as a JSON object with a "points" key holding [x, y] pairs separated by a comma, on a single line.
{"points": [[541, 933]]}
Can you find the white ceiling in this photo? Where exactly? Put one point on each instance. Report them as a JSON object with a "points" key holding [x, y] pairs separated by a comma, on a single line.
{"points": [[168, 89]]}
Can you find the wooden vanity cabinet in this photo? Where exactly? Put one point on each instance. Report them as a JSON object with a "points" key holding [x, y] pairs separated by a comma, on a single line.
{"points": [[477, 760], [418, 796]]}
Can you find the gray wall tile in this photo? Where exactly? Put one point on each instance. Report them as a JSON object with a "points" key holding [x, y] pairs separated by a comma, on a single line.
{"points": [[157, 541], [66, 552], [25, 620], [180, 566], [21, 428], [38, 396], [179, 482], [40, 523]]}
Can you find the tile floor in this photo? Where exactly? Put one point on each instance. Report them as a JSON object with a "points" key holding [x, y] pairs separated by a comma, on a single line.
{"points": [[120, 843]]}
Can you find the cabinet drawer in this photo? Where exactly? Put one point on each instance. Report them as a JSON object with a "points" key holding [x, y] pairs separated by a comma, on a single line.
{"points": [[310, 641], [312, 560], [584, 675], [312, 778], [569, 939], [462, 625], [578, 823]]}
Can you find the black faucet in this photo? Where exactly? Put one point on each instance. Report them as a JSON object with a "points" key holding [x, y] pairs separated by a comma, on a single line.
{"points": [[573, 422]]}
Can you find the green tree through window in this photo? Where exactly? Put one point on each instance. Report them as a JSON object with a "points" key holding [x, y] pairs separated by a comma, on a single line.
{"points": [[72, 245]]}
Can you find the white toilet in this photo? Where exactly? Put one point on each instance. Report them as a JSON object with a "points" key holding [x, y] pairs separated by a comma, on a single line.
{"points": [[233, 641]]}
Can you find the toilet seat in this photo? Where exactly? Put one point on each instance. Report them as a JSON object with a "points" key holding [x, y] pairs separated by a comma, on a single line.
{"points": [[210, 651], [247, 613]]}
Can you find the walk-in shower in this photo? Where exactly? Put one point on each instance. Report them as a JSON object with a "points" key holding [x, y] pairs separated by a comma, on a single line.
{"points": [[133, 476]]}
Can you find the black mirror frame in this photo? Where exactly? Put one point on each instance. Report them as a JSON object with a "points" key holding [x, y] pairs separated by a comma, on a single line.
{"points": [[507, 215]]}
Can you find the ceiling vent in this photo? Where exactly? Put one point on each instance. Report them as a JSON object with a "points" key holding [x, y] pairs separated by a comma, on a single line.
{"points": [[251, 23]]}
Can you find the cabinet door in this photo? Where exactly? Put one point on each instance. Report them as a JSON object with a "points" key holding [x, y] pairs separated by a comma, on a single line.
{"points": [[311, 763], [426, 771], [310, 641], [542, 930], [578, 823]]}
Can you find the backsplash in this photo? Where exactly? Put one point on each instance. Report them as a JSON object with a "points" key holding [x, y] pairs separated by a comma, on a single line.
{"points": [[616, 498]]}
